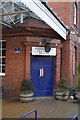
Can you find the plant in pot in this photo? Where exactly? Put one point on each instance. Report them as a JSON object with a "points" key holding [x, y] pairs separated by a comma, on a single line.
{"points": [[78, 77], [26, 91], [76, 85], [62, 92]]}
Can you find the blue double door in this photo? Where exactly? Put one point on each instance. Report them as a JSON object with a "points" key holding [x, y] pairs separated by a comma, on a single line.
{"points": [[42, 75]]}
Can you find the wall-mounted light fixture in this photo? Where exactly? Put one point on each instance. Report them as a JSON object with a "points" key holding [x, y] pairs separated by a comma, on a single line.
{"points": [[47, 47], [47, 44]]}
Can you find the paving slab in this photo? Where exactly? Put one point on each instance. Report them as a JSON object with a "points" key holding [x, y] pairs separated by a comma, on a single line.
{"points": [[46, 107]]}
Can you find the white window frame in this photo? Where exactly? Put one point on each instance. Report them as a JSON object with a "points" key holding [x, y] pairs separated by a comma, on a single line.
{"points": [[75, 14], [2, 74]]}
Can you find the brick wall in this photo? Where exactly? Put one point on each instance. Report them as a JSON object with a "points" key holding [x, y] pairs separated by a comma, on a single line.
{"points": [[65, 11], [62, 9], [18, 64], [24, 36], [70, 52], [14, 64]]}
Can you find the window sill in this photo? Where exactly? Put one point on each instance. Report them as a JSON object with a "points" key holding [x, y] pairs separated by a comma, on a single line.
{"points": [[2, 74]]}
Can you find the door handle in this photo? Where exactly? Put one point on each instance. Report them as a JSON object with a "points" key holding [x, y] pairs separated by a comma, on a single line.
{"points": [[41, 72]]}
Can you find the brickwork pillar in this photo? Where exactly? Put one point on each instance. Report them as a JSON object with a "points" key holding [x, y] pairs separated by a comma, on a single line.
{"points": [[57, 65], [27, 63]]}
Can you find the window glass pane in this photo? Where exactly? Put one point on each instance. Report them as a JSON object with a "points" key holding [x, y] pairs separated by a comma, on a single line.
{"points": [[0, 69], [0, 61], [0, 52], [3, 52], [4, 44], [0, 44], [3, 60], [3, 69]]}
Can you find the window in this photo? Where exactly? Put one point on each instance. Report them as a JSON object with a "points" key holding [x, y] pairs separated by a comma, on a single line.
{"points": [[2, 56], [75, 14]]}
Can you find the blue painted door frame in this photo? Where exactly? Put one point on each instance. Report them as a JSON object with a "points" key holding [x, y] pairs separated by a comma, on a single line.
{"points": [[43, 85]]}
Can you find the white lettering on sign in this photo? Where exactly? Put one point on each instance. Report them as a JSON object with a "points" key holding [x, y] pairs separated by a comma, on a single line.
{"points": [[41, 51]]}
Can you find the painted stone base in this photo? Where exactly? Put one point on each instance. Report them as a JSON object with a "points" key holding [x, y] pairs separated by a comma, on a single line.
{"points": [[27, 97], [62, 95]]}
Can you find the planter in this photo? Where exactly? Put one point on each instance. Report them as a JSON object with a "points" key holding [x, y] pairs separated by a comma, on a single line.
{"points": [[27, 97], [26, 91], [62, 95]]}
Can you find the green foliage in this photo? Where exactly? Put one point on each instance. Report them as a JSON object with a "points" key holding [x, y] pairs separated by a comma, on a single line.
{"points": [[26, 86], [62, 92], [79, 68], [76, 84], [63, 84], [78, 75]]}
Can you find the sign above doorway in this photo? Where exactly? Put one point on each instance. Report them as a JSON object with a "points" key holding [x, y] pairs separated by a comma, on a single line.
{"points": [[41, 51]]}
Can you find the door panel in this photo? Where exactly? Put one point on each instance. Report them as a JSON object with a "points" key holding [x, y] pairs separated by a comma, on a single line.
{"points": [[43, 85]]}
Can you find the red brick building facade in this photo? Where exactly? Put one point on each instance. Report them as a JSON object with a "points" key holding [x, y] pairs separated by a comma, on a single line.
{"points": [[18, 64], [69, 13], [33, 33]]}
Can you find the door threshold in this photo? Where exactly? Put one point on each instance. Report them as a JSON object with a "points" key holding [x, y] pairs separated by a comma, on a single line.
{"points": [[48, 97]]}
